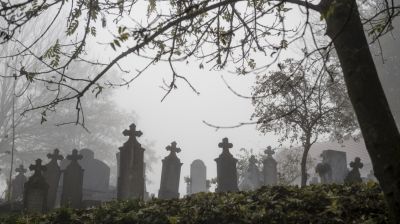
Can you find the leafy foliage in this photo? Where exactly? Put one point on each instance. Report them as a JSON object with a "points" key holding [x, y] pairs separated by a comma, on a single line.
{"points": [[312, 204]]}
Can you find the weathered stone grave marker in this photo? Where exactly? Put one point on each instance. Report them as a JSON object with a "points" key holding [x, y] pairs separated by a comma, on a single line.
{"points": [[131, 180], [72, 182], [270, 171], [226, 168], [198, 177], [97, 176], [252, 176], [17, 188], [333, 168], [35, 189], [52, 177], [170, 174], [354, 175]]}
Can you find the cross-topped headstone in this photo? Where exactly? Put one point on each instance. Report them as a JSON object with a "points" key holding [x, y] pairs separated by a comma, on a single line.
{"points": [[225, 145], [226, 168], [170, 174], [132, 131], [354, 175], [35, 189], [37, 167], [52, 177], [55, 156], [17, 187], [21, 169], [74, 157], [252, 159], [131, 166], [356, 164], [269, 151], [72, 182], [270, 171], [172, 148]]}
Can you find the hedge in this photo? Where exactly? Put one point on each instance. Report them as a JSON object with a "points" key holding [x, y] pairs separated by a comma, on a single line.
{"points": [[362, 203]]}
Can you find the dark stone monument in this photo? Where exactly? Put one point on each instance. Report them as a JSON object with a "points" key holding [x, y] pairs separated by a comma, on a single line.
{"points": [[170, 174], [131, 166], [35, 189], [333, 167], [52, 177], [354, 175], [17, 188], [270, 171], [252, 177], [71, 195], [198, 177], [226, 168]]}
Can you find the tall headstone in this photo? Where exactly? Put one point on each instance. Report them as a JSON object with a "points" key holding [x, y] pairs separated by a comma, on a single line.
{"points": [[97, 176], [35, 190], [354, 175], [226, 168], [17, 187], [198, 177], [270, 171], [337, 164], [71, 195], [170, 174], [52, 177], [131, 166], [252, 176]]}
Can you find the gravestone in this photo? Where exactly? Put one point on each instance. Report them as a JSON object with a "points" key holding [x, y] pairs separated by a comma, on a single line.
{"points": [[170, 174], [52, 177], [354, 175], [198, 177], [270, 171], [313, 181], [324, 171], [252, 177], [131, 166], [35, 189], [97, 176], [17, 188], [337, 164], [226, 168], [71, 195]]}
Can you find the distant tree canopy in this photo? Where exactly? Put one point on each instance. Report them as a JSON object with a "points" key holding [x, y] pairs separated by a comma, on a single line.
{"points": [[221, 33]]}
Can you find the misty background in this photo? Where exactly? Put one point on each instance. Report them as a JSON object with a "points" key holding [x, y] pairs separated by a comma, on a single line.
{"points": [[178, 118]]}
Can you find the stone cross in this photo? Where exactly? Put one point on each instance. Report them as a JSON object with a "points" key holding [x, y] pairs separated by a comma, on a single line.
{"points": [[74, 157], [52, 177], [55, 156], [172, 148], [20, 170], [270, 171], [17, 187], [225, 145], [72, 182], [252, 159], [170, 174], [132, 131], [269, 151], [226, 168], [354, 175], [38, 167], [356, 164]]}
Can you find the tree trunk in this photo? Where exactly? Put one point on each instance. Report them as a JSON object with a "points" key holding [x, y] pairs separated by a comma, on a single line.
{"points": [[378, 127], [303, 163]]}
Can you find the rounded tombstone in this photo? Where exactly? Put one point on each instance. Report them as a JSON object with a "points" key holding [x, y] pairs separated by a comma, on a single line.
{"points": [[97, 173]]}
